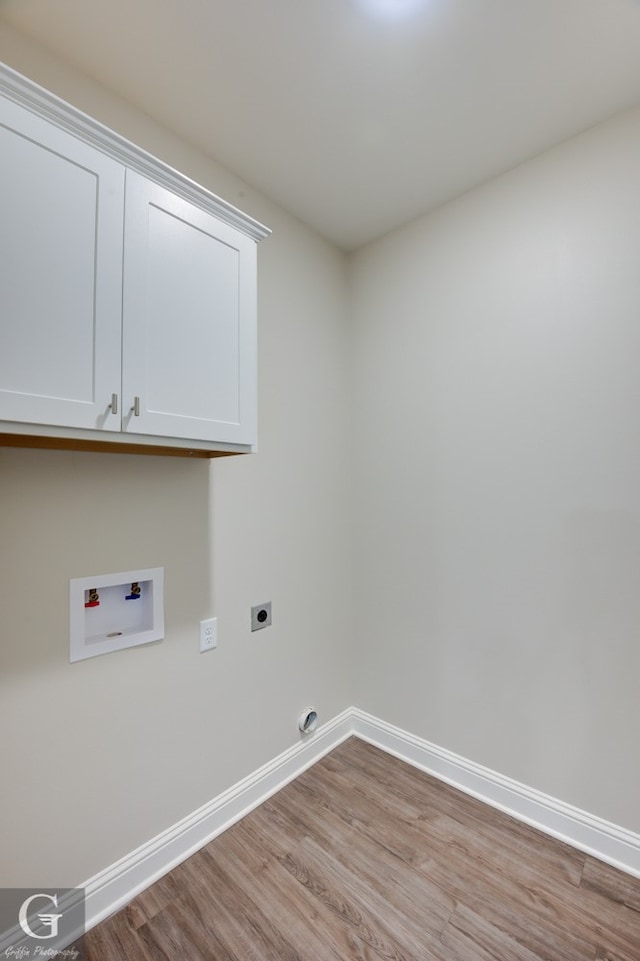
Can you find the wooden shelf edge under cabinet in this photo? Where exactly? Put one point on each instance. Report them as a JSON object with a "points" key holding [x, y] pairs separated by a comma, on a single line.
{"points": [[116, 446]]}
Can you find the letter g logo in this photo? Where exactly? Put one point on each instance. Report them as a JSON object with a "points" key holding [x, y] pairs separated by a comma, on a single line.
{"points": [[50, 920]]}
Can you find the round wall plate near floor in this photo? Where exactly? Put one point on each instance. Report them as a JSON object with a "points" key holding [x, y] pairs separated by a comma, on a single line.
{"points": [[308, 720]]}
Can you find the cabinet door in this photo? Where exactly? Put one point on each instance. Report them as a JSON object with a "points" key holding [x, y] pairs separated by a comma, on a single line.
{"points": [[61, 204], [189, 319]]}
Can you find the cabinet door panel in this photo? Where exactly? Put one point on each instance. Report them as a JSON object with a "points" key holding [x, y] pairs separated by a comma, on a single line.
{"points": [[188, 321], [60, 275]]}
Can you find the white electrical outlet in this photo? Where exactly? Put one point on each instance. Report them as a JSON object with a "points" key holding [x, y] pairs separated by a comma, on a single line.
{"points": [[208, 634]]}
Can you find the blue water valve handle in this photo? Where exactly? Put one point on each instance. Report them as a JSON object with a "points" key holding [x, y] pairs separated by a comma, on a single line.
{"points": [[135, 592]]}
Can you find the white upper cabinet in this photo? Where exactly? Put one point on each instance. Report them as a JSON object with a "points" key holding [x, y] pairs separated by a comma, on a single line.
{"points": [[189, 326], [61, 205], [127, 292]]}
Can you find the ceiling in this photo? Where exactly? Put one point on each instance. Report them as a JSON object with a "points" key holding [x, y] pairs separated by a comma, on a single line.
{"points": [[356, 115]]}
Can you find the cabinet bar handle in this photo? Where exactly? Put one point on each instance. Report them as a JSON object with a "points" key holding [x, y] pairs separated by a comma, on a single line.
{"points": [[113, 406], [136, 407]]}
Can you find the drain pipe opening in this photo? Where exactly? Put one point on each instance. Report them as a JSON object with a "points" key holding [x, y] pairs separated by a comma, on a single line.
{"points": [[308, 720]]}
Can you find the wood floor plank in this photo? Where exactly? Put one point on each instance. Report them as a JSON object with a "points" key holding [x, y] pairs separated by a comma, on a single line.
{"points": [[604, 954], [344, 796], [425, 905], [474, 936], [364, 858], [403, 800], [313, 906], [343, 896], [612, 884], [438, 799], [113, 940], [231, 911], [177, 932], [525, 915], [274, 893], [150, 902], [274, 897], [342, 927], [554, 920]]}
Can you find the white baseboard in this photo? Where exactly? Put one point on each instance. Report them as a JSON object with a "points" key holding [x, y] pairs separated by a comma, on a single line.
{"points": [[114, 887], [593, 835]]}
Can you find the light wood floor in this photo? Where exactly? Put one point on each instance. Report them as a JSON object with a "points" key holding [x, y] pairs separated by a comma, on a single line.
{"points": [[363, 857]]}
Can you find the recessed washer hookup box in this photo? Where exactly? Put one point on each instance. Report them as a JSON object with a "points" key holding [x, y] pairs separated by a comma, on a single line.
{"points": [[108, 612]]}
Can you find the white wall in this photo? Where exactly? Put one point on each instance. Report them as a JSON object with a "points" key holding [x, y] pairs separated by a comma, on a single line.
{"points": [[496, 497], [98, 757], [498, 491]]}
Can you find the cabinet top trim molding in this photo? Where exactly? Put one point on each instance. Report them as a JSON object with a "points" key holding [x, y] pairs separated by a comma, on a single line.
{"points": [[28, 94]]}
